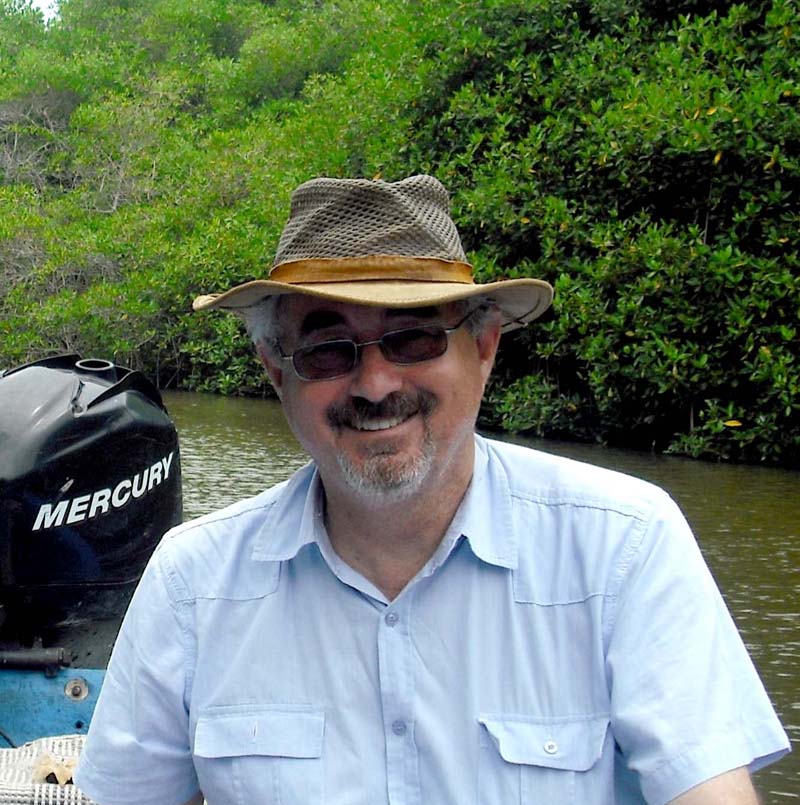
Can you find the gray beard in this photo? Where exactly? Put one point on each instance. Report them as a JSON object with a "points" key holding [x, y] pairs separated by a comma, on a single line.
{"points": [[382, 479]]}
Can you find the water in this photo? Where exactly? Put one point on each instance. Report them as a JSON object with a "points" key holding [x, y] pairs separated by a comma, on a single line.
{"points": [[747, 521]]}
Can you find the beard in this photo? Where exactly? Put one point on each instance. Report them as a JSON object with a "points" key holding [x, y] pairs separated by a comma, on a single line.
{"points": [[383, 475]]}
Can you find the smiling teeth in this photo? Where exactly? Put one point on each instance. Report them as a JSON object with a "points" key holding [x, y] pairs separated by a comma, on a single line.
{"points": [[380, 424]]}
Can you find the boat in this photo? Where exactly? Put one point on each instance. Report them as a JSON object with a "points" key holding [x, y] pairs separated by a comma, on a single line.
{"points": [[90, 480]]}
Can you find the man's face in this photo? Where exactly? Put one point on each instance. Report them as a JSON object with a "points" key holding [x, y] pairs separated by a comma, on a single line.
{"points": [[383, 431]]}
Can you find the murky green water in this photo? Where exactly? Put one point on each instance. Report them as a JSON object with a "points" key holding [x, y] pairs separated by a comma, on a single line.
{"points": [[747, 520]]}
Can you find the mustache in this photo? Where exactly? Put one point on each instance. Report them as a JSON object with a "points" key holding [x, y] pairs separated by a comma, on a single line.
{"points": [[358, 411]]}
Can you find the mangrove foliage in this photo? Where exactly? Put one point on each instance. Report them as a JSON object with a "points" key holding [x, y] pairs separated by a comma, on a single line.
{"points": [[641, 155]]}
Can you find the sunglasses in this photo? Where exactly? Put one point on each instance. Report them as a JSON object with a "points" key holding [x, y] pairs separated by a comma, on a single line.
{"points": [[331, 359]]}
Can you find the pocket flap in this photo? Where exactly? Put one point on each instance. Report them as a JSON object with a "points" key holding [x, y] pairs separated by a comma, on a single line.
{"points": [[558, 743], [279, 730]]}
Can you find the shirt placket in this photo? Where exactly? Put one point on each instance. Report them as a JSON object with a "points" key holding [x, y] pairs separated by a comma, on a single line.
{"points": [[395, 668]]}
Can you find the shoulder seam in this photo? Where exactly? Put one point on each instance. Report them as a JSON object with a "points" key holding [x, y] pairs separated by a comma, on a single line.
{"points": [[180, 611], [580, 503], [217, 517], [631, 549]]}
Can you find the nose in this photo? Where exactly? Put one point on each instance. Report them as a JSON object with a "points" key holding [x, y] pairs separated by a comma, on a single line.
{"points": [[375, 377]]}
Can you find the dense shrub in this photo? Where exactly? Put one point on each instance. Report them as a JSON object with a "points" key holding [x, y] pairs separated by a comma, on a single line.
{"points": [[641, 155], [645, 160]]}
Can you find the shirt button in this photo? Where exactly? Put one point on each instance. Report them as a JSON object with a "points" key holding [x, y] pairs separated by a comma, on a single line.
{"points": [[399, 727], [391, 618], [551, 747]]}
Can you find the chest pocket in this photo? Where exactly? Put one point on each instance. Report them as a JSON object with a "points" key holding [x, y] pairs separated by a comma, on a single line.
{"points": [[547, 761], [260, 754]]}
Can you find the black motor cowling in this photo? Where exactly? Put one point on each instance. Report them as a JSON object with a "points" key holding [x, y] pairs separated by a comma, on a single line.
{"points": [[89, 482]]}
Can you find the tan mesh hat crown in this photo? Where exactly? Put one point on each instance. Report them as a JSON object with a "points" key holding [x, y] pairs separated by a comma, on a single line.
{"points": [[385, 244]]}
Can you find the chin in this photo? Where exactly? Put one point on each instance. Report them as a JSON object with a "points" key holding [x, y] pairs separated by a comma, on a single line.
{"points": [[384, 479]]}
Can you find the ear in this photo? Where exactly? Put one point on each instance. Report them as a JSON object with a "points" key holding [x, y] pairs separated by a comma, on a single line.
{"points": [[487, 340], [273, 367]]}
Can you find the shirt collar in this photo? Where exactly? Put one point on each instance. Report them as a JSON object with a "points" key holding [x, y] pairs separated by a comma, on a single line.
{"points": [[483, 517], [291, 521]]}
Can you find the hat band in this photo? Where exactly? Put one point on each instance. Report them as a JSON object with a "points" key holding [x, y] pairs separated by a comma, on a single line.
{"points": [[383, 267]]}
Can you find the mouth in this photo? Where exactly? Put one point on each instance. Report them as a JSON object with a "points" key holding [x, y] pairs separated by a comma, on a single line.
{"points": [[381, 424], [362, 415]]}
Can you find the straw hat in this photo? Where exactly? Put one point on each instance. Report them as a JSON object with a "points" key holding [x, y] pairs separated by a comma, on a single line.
{"points": [[385, 244]]}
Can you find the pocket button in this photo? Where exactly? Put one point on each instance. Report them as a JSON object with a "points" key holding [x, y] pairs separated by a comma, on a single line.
{"points": [[551, 747]]}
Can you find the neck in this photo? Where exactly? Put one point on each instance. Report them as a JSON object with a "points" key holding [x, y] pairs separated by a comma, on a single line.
{"points": [[388, 543]]}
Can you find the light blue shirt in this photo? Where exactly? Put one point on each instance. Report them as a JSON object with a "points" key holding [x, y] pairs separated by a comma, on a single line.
{"points": [[565, 644]]}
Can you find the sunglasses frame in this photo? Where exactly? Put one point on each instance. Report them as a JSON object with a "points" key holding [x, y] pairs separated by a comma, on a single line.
{"points": [[359, 345]]}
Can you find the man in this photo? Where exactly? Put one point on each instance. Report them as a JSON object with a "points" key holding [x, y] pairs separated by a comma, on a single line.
{"points": [[420, 615]]}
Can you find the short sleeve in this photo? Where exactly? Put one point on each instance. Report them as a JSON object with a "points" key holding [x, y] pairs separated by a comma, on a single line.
{"points": [[687, 702], [137, 751]]}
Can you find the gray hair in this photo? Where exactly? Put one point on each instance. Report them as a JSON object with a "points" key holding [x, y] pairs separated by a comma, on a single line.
{"points": [[484, 311], [263, 322]]}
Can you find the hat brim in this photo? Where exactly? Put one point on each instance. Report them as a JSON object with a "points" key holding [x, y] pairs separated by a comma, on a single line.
{"points": [[520, 300]]}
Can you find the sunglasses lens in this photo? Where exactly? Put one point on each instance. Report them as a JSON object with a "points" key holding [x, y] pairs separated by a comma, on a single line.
{"points": [[336, 358], [326, 360], [414, 344]]}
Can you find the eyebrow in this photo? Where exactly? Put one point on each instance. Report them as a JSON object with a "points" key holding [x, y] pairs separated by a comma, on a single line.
{"points": [[323, 319], [428, 312], [320, 320]]}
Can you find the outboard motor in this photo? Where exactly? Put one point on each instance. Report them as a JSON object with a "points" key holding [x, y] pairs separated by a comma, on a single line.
{"points": [[89, 482]]}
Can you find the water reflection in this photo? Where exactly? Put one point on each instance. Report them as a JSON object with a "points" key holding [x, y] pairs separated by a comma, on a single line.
{"points": [[230, 448], [747, 520]]}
